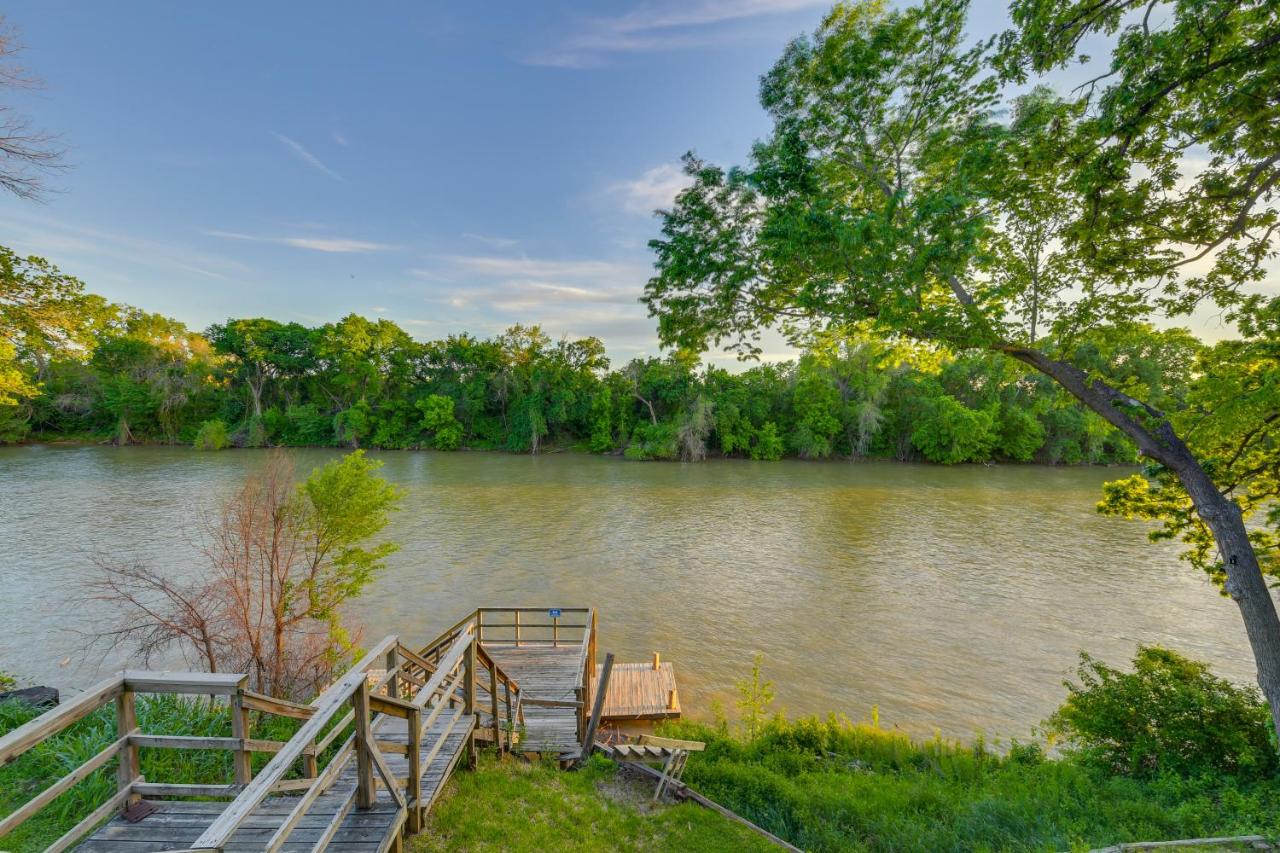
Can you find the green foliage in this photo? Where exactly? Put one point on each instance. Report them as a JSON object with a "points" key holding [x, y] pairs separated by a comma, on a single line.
{"points": [[1169, 715], [340, 506], [1228, 415], [834, 785], [755, 696], [213, 435], [437, 419], [950, 432], [653, 441], [768, 444]]}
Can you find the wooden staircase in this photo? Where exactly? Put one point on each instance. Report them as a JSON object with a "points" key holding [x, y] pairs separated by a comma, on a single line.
{"points": [[375, 750]]}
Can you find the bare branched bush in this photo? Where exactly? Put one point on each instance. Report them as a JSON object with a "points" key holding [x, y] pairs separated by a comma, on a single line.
{"points": [[280, 561], [26, 154]]}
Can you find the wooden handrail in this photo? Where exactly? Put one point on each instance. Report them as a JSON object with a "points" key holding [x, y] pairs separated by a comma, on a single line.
{"points": [[50, 723], [327, 706]]}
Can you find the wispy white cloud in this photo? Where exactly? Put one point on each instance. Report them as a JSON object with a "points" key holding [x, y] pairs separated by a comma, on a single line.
{"points": [[657, 188], [340, 139], [315, 244], [495, 242], [65, 241], [660, 27], [305, 156]]}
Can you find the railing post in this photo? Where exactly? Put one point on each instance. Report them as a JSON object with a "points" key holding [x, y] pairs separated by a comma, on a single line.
{"points": [[479, 625], [511, 723], [469, 697], [413, 791], [517, 624], [493, 705], [366, 793], [393, 664], [126, 722], [241, 759], [591, 645], [555, 632]]}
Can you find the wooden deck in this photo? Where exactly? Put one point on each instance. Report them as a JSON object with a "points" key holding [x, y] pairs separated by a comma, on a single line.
{"points": [[545, 673], [375, 748], [639, 691], [177, 824]]}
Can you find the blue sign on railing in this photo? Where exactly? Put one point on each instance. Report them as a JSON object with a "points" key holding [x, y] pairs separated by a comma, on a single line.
{"points": [[554, 613]]}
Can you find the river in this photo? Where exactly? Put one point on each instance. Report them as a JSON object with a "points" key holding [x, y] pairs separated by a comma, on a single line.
{"points": [[956, 599]]}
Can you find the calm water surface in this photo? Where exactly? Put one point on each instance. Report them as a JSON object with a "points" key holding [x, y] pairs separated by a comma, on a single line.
{"points": [[954, 598]]}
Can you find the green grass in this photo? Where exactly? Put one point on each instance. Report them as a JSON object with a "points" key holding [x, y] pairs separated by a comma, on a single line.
{"points": [[511, 805], [834, 785]]}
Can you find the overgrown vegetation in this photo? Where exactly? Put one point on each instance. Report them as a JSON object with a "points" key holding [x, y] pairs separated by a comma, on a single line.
{"points": [[1164, 752]]}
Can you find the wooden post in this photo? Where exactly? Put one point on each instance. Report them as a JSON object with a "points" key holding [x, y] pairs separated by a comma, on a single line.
{"points": [[591, 646], [555, 632], [413, 791], [241, 759], [493, 706], [469, 698], [393, 664], [657, 661], [671, 699], [366, 792], [597, 708], [480, 626], [126, 722], [511, 723], [517, 624]]}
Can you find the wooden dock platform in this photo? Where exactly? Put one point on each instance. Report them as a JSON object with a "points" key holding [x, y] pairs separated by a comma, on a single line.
{"points": [[639, 691]]}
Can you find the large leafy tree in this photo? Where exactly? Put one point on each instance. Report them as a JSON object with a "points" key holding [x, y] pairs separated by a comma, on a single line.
{"points": [[889, 192]]}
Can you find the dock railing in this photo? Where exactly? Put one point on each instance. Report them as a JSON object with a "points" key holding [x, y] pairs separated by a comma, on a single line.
{"points": [[391, 680]]}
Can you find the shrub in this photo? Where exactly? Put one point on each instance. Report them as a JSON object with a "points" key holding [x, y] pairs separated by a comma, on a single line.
{"points": [[951, 432], [1169, 715], [653, 441], [213, 435], [768, 446], [438, 419]]}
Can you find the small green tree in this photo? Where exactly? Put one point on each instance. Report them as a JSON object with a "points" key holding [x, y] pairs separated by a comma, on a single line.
{"points": [[212, 436], [755, 696], [438, 419]]}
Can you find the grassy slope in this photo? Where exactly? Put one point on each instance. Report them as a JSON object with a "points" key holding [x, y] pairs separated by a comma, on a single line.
{"points": [[512, 805], [834, 785]]}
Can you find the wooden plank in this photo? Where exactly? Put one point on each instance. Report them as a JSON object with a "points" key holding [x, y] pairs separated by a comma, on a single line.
{"points": [[256, 791], [198, 683], [598, 707], [126, 724], [48, 795], [95, 817], [672, 743], [48, 724], [313, 792], [279, 707], [334, 823]]}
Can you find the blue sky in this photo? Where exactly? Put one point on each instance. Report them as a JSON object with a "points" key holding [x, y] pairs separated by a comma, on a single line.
{"points": [[454, 167]]}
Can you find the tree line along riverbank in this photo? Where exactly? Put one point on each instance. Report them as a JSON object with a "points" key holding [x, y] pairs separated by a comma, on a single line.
{"points": [[84, 368]]}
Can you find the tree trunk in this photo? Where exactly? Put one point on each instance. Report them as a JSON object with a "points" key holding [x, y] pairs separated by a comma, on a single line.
{"points": [[1222, 515]]}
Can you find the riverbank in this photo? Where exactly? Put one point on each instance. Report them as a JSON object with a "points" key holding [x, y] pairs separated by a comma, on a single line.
{"points": [[578, 449], [824, 785]]}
